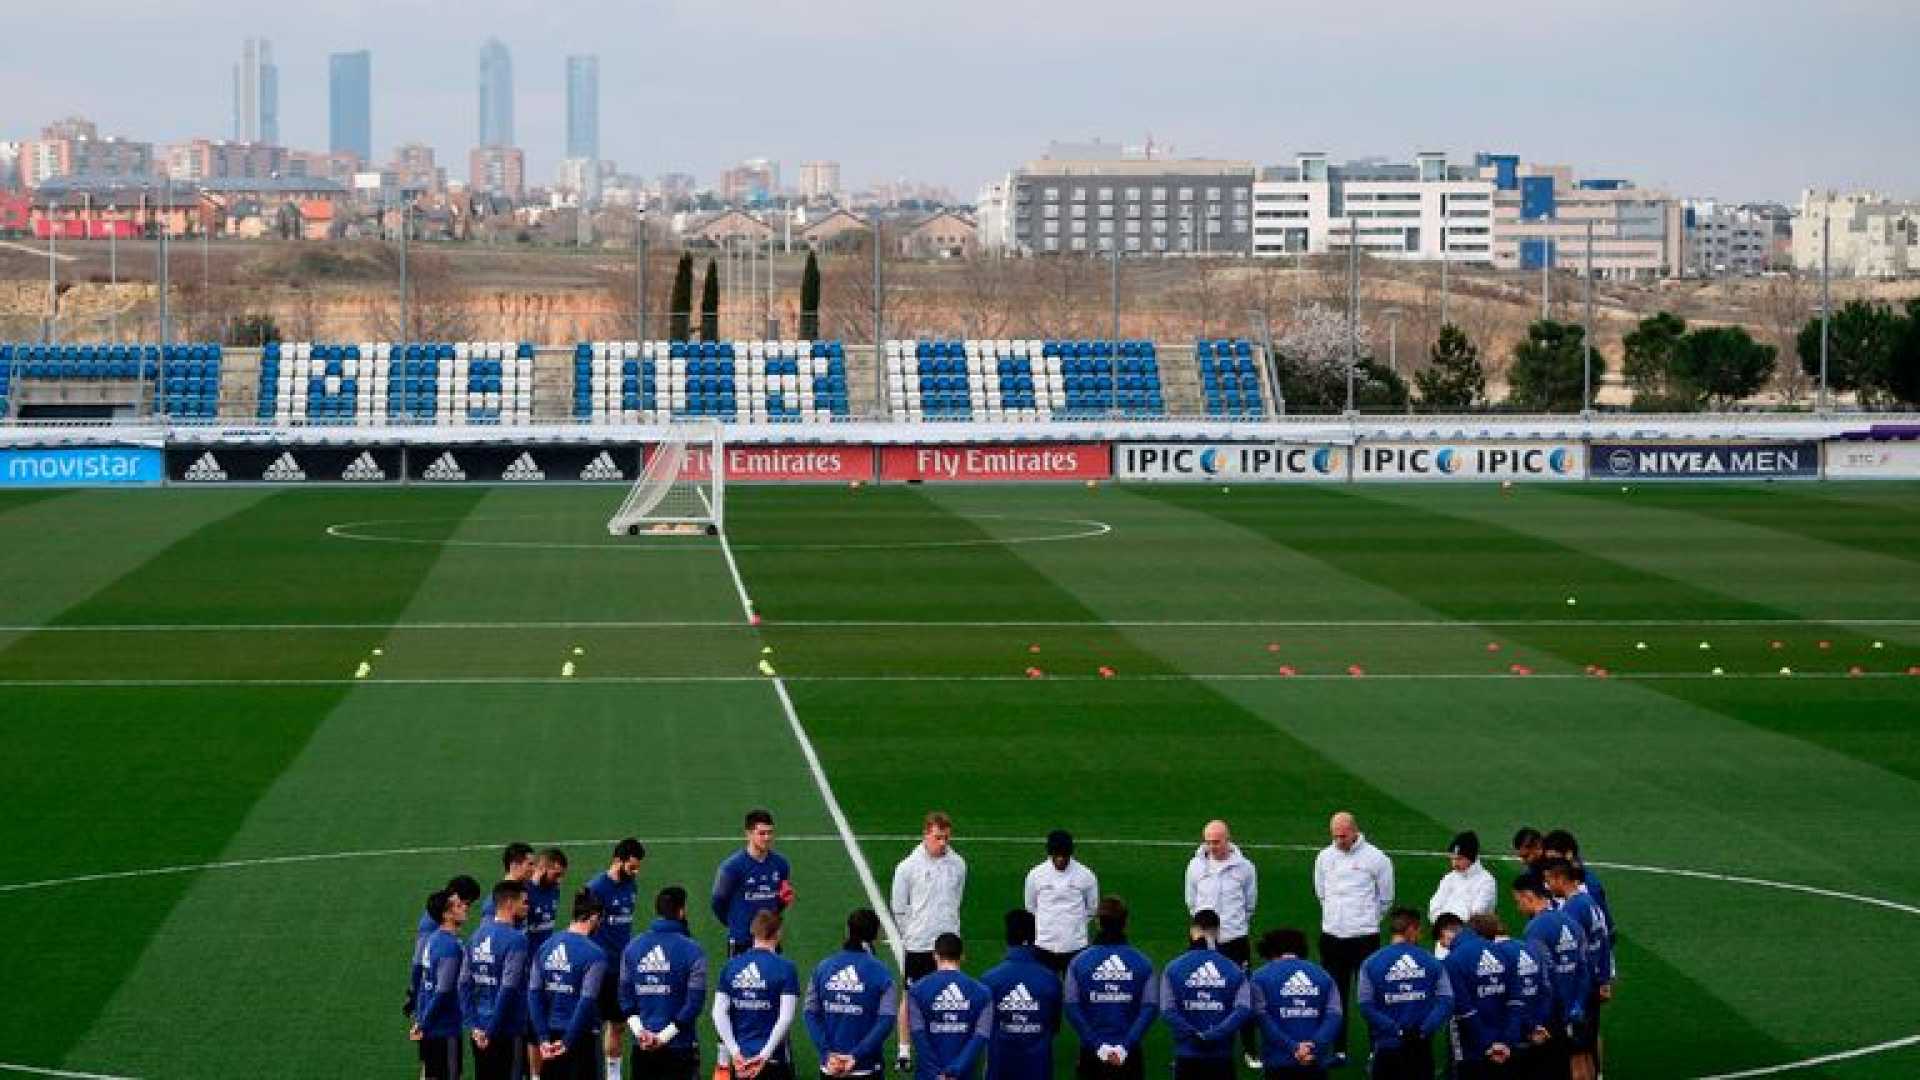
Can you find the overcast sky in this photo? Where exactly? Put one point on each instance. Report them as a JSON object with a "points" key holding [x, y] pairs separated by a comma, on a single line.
{"points": [[1740, 100]]}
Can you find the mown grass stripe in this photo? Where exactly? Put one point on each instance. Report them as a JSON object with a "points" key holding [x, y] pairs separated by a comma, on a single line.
{"points": [[153, 775]]}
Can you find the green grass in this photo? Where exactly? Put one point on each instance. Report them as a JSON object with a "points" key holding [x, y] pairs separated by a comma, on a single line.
{"points": [[177, 687]]}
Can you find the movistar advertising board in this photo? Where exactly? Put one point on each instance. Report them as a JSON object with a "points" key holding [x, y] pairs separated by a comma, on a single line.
{"points": [[1706, 461], [1469, 461], [1203, 462], [88, 466]]}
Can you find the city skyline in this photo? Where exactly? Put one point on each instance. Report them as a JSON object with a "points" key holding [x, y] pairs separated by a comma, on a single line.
{"points": [[583, 107], [1787, 100], [350, 103]]}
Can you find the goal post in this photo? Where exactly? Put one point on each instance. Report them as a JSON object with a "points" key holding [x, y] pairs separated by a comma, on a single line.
{"points": [[681, 488]]}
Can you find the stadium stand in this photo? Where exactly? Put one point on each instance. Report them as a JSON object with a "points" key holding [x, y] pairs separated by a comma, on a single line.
{"points": [[481, 382], [1022, 379], [751, 381], [185, 378], [1228, 378]]}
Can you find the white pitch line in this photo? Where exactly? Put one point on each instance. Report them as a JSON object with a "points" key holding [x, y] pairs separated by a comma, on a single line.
{"points": [[820, 782], [35, 1070], [674, 680], [1815, 1062], [934, 624]]}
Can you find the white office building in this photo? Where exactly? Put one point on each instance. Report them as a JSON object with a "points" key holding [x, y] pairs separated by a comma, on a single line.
{"points": [[1424, 209], [1873, 236]]}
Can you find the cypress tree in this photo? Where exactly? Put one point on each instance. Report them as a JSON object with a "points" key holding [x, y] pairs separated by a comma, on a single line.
{"points": [[810, 299], [710, 304], [681, 303]]}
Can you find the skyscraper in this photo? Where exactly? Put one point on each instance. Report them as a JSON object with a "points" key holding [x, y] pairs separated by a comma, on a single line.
{"points": [[350, 104], [583, 107], [256, 94], [496, 94]]}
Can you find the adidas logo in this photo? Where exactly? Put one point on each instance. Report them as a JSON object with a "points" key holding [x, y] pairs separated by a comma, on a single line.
{"points": [[749, 978], [950, 998], [364, 468], [444, 467], [557, 959], [1298, 985], [1112, 968], [654, 963], [1207, 975], [523, 468], [284, 468], [483, 952], [1406, 969], [846, 981], [602, 468], [1566, 938], [1019, 999], [1526, 966], [1490, 965], [206, 468]]}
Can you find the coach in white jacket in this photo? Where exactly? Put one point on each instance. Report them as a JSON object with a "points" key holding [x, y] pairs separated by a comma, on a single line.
{"points": [[1467, 889], [1354, 882], [1062, 894], [928, 886], [1222, 880]]}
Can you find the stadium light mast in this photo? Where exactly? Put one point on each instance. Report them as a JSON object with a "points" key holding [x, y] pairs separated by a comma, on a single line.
{"points": [[639, 270], [1826, 292], [113, 269], [1353, 309], [1444, 260], [53, 278], [879, 319], [1586, 337], [1113, 370]]}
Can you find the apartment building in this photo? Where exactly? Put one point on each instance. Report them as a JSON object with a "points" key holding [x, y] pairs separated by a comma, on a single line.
{"points": [[1142, 205], [1421, 209]]}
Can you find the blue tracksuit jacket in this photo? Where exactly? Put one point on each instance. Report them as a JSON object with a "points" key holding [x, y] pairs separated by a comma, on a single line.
{"points": [[1111, 995], [1295, 1001], [1566, 944], [951, 1017], [1026, 1016], [663, 980], [753, 984], [1402, 990], [493, 981], [1204, 1000], [744, 887], [563, 996], [437, 1009], [1483, 998], [616, 913], [850, 1008]]}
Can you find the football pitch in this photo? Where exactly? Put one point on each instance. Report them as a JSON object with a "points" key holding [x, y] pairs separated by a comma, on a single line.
{"points": [[218, 833]]}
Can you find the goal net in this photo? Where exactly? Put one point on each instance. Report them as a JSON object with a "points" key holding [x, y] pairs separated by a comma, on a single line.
{"points": [[681, 489]]}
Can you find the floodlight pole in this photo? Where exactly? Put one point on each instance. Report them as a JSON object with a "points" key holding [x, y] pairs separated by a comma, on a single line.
{"points": [[1826, 293], [639, 272], [1113, 370], [1444, 261], [166, 226], [1586, 337], [405, 221], [1353, 309], [879, 319], [113, 271]]}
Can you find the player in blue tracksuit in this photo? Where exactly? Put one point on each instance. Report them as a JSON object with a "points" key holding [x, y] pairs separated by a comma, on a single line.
{"points": [[1565, 946], [663, 985], [516, 864], [852, 1003], [1026, 1006], [752, 880], [436, 1016], [1297, 1006], [468, 890], [755, 1001], [543, 895], [618, 893], [1532, 1032], [1205, 1000], [1111, 998], [493, 984], [950, 1015], [1563, 880], [1404, 994], [1484, 1003], [563, 996], [1560, 844]]}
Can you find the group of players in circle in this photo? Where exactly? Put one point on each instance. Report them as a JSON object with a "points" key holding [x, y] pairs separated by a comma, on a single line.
{"points": [[535, 996]]}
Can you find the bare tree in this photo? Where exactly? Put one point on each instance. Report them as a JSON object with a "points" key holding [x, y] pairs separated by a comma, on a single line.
{"points": [[1785, 303]]}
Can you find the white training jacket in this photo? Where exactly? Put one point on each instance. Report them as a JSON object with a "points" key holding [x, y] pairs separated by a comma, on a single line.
{"points": [[926, 897], [1062, 902], [1355, 888], [1465, 893], [1228, 887]]}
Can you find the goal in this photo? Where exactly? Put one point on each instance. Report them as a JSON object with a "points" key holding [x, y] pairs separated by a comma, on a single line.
{"points": [[682, 488]]}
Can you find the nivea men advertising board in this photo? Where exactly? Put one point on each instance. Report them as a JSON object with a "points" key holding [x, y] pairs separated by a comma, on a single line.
{"points": [[191, 465], [1208, 462], [533, 463], [1468, 461], [1705, 461]]}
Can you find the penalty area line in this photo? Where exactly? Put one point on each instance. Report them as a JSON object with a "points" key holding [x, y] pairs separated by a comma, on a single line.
{"points": [[935, 624]]}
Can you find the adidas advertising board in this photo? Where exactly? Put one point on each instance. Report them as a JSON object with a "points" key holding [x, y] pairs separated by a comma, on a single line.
{"points": [[1206, 462], [1469, 461], [198, 465], [1848, 460], [492, 463], [1705, 461], [93, 466]]}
